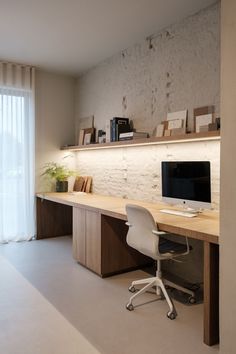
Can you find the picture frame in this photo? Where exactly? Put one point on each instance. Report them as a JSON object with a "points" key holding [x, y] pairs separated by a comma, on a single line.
{"points": [[90, 131], [180, 117], [175, 124], [83, 123], [160, 130], [200, 111], [87, 138], [202, 120]]}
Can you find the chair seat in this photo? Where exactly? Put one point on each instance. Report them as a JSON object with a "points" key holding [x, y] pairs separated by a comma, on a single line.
{"points": [[168, 246]]}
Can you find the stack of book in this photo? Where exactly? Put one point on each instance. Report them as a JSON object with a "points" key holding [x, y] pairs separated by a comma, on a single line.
{"points": [[118, 125], [132, 135]]}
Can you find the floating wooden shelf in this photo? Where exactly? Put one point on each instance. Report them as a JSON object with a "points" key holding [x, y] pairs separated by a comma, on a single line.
{"points": [[212, 135]]}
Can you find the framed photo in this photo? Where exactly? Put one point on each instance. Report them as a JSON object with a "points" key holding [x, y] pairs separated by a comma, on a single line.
{"points": [[87, 139], [175, 124], [179, 118], [90, 131], [202, 120], [202, 111], [83, 123], [160, 130]]}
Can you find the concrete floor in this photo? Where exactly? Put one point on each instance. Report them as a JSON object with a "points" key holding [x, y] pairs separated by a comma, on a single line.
{"points": [[50, 304]]}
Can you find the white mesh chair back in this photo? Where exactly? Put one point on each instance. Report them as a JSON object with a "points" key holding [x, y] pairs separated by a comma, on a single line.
{"points": [[140, 235]]}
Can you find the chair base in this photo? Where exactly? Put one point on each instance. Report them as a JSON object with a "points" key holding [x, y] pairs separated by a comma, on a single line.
{"points": [[159, 283]]}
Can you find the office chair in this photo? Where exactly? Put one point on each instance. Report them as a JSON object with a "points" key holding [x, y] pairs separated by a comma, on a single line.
{"points": [[144, 236]]}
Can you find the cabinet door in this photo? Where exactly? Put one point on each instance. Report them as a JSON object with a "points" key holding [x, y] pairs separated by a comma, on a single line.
{"points": [[93, 241], [79, 242], [53, 219]]}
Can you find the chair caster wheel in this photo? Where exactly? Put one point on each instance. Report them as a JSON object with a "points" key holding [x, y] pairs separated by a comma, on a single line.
{"points": [[130, 307], [192, 300], [171, 315], [132, 289]]}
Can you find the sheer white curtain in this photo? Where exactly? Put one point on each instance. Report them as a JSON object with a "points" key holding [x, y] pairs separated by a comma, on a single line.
{"points": [[16, 152]]}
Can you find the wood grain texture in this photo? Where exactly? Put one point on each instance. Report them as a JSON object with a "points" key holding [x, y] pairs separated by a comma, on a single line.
{"points": [[211, 293], [53, 219], [106, 252], [204, 227], [79, 241], [117, 256], [147, 141], [93, 241]]}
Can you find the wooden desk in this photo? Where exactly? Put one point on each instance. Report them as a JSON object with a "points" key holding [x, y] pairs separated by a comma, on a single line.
{"points": [[99, 233]]}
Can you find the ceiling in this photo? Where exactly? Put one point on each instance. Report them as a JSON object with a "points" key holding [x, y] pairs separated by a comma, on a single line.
{"points": [[74, 35]]}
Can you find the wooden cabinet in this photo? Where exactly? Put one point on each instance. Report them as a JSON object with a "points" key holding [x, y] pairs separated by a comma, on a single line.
{"points": [[87, 238], [99, 243], [53, 219], [79, 232], [99, 240], [93, 241]]}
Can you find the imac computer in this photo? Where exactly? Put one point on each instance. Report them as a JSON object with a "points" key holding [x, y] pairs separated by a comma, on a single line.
{"points": [[187, 183]]}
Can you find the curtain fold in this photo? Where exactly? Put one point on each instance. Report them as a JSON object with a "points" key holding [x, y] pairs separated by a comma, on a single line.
{"points": [[16, 152]]}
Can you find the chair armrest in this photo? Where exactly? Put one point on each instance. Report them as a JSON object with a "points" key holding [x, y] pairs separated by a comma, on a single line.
{"points": [[155, 232], [128, 224]]}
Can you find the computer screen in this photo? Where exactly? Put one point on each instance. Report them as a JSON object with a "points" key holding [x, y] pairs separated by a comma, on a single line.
{"points": [[187, 183]]}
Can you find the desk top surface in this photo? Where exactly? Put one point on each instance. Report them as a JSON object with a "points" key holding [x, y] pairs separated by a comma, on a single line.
{"points": [[203, 227]]}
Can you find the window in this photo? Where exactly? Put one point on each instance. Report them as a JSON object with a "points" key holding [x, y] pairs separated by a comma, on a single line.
{"points": [[16, 164]]}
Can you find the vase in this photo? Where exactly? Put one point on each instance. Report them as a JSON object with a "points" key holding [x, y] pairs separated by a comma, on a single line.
{"points": [[61, 186]]}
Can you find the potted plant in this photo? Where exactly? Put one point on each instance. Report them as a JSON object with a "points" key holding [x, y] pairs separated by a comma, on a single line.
{"points": [[60, 173]]}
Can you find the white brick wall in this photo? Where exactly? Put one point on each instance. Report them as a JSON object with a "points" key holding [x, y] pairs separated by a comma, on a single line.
{"points": [[135, 173]]}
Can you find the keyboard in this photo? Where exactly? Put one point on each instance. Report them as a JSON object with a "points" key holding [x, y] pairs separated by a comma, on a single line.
{"points": [[178, 212]]}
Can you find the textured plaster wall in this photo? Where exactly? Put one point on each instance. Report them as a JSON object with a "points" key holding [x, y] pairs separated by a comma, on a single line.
{"points": [[228, 190], [179, 68], [54, 124], [180, 71]]}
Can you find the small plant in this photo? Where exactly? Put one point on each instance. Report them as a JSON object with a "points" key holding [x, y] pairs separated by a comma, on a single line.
{"points": [[57, 171], [60, 173]]}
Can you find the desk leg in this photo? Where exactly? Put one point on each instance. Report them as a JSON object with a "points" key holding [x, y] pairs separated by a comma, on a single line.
{"points": [[211, 293]]}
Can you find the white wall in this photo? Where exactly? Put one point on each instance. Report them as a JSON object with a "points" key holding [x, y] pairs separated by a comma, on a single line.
{"points": [[135, 172], [54, 120], [228, 173], [182, 70]]}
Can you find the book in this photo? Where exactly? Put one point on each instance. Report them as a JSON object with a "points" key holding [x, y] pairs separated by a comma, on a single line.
{"points": [[81, 137], [121, 129], [132, 135], [120, 120], [116, 128], [108, 130]]}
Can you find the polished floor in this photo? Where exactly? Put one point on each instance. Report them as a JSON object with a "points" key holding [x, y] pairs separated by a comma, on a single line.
{"points": [[50, 304]]}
